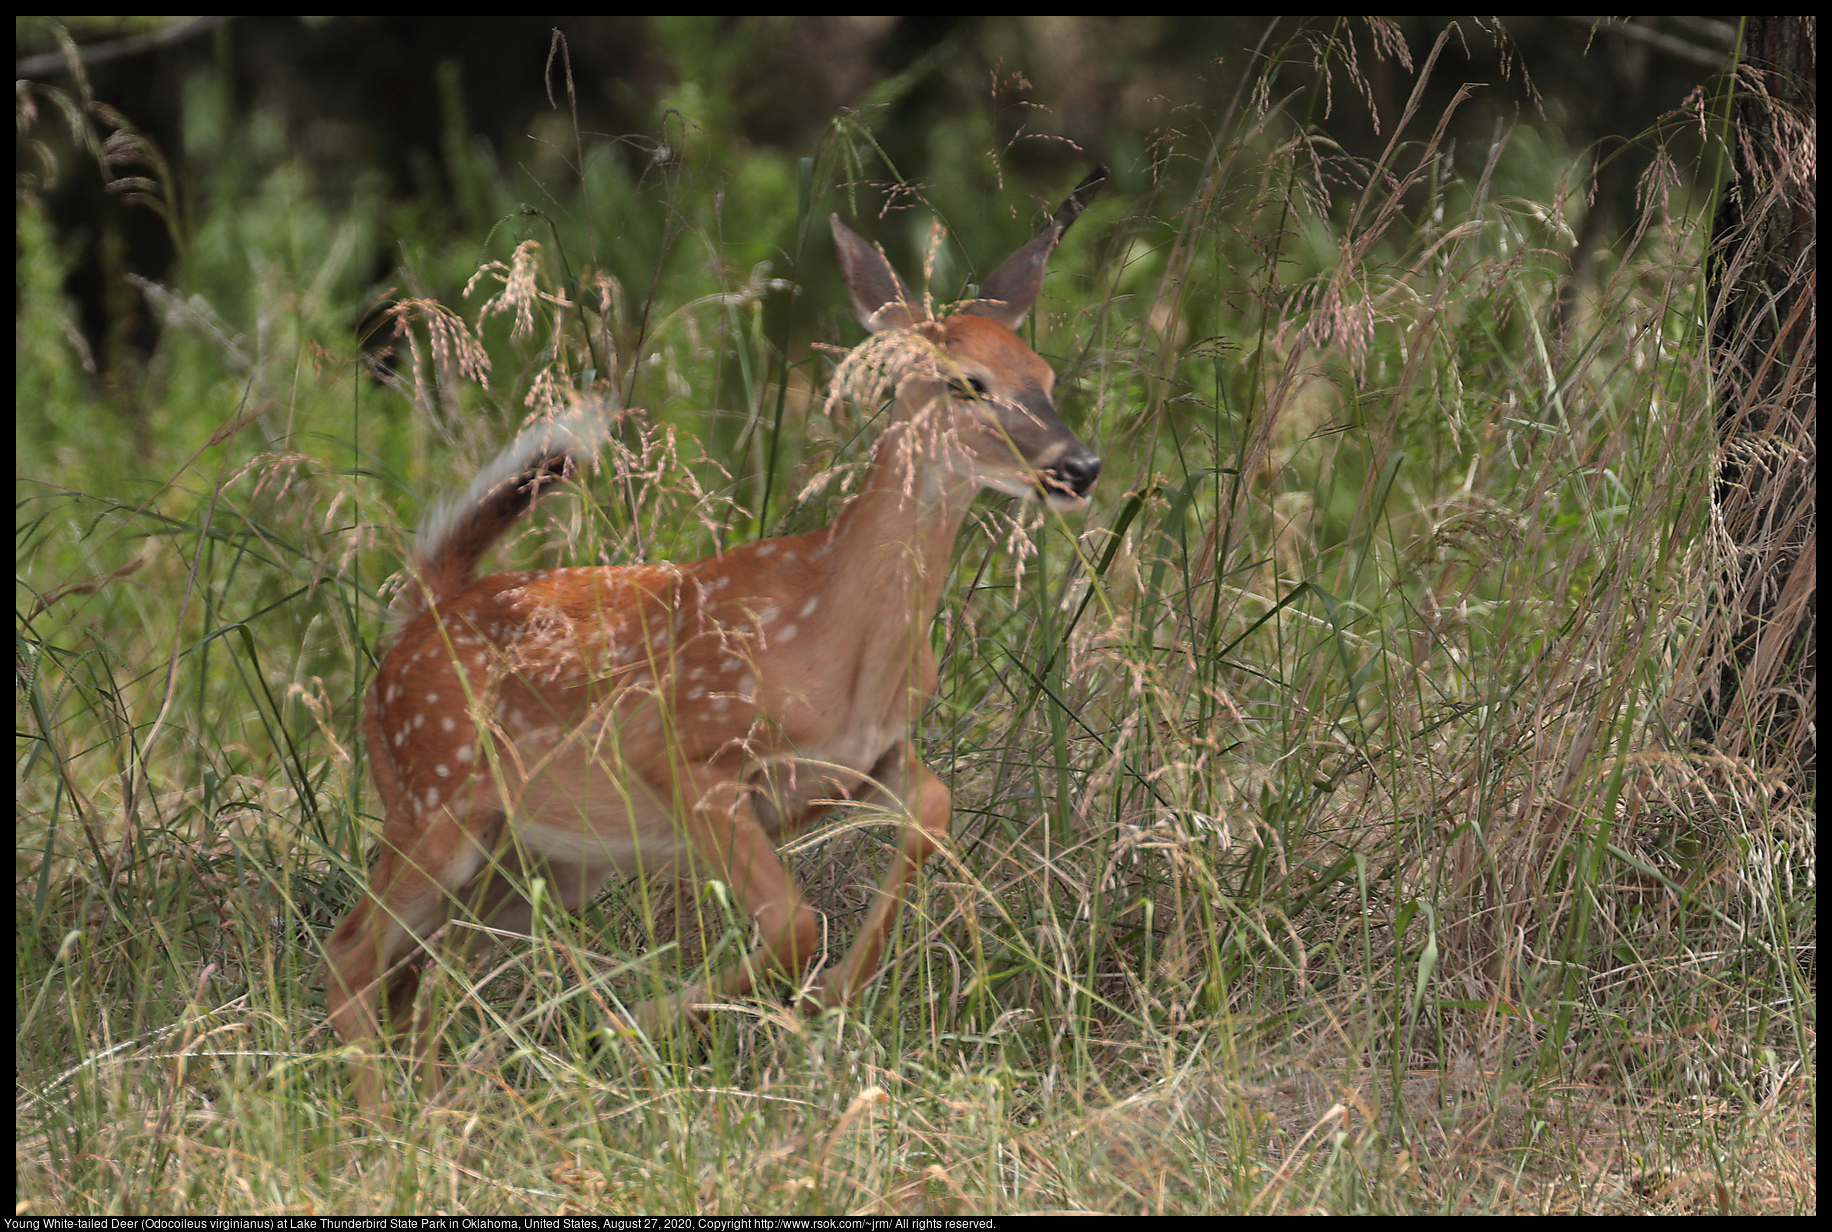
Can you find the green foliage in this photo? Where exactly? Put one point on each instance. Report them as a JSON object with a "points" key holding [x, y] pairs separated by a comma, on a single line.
{"points": [[1335, 741]]}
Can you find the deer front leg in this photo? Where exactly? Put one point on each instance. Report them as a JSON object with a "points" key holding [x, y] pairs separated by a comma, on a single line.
{"points": [[929, 805], [724, 830]]}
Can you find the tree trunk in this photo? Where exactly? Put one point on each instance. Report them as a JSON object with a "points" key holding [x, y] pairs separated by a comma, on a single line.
{"points": [[1760, 680]]}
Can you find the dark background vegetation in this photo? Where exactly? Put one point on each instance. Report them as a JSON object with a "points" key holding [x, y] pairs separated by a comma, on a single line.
{"points": [[395, 112]]}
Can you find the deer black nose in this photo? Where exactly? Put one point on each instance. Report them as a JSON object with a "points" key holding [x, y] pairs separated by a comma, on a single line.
{"points": [[1078, 471]]}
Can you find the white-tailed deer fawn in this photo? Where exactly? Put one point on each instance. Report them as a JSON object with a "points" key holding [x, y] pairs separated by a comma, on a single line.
{"points": [[575, 724]]}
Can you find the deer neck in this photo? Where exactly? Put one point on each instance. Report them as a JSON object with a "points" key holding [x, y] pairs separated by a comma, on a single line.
{"points": [[891, 544]]}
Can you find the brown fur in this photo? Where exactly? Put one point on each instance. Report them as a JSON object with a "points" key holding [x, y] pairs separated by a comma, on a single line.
{"points": [[624, 719]]}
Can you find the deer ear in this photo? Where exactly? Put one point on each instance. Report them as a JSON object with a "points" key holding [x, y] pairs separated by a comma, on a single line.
{"points": [[880, 299], [1007, 295]]}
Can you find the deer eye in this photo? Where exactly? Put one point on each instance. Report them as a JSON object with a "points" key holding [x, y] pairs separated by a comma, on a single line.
{"points": [[973, 390]]}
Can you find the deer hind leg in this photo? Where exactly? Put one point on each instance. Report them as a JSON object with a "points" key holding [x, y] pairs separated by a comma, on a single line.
{"points": [[371, 955], [916, 788], [493, 896]]}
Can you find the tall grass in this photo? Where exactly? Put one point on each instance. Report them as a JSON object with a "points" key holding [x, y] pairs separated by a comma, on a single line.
{"points": [[1325, 837]]}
